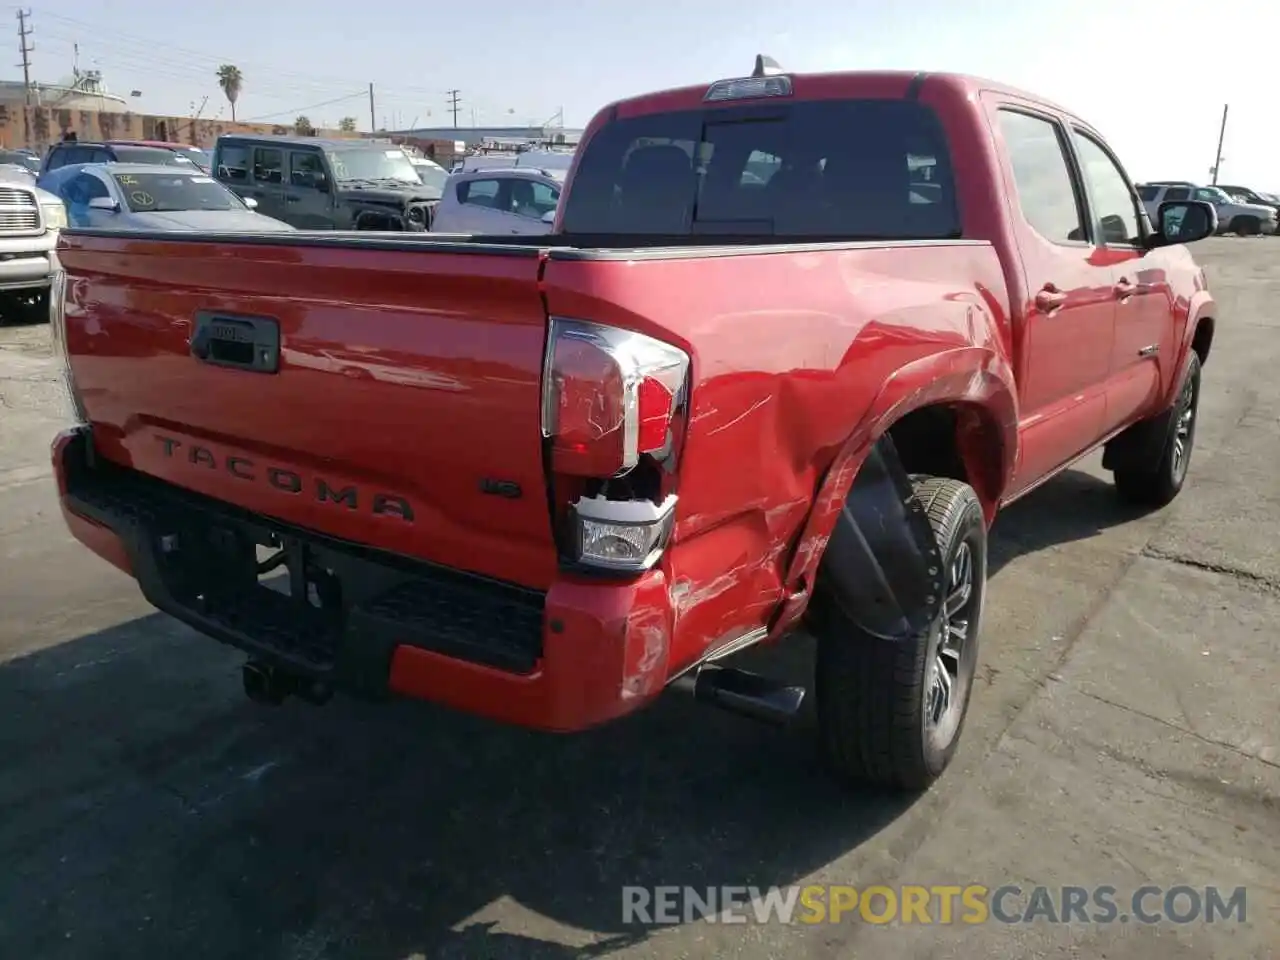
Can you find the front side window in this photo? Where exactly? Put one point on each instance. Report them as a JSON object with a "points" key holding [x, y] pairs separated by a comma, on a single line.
{"points": [[1177, 193], [479, 193], [306, 169], [1114, 205], [530, 198], [88, 188]]}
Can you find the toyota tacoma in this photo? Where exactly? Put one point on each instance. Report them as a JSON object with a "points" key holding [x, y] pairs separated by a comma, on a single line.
{"points": [[791, 344]]}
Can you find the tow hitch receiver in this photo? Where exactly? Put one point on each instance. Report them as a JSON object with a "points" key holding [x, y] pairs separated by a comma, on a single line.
{"points": [[270, 685], [746, 694]]}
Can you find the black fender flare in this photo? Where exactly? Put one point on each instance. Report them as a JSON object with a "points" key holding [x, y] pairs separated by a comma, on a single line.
{"points": [[883, 567]]}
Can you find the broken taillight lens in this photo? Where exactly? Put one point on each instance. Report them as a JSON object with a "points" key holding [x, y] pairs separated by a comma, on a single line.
{"points": [[609, 395], [613, 403]]}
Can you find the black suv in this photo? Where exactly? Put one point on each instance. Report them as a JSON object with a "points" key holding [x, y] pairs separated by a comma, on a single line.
{"points": [[79, 151], [318, 184]]}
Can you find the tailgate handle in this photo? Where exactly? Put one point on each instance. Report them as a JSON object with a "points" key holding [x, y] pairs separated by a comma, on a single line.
{"points": [[246, 343]]}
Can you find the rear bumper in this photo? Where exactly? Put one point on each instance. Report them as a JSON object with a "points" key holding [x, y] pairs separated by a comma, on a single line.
{"points": [[583, 653]]}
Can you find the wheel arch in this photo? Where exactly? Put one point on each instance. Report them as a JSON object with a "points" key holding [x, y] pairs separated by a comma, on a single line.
{"points": [[952, 414]]}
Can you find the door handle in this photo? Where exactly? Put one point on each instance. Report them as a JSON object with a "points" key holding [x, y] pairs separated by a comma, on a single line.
{"points": [[1124, 289], [1050, 299], [292, 199]]}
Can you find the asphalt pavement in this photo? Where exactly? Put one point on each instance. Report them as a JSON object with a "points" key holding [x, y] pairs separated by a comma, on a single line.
{"points": [[1125, 732]]}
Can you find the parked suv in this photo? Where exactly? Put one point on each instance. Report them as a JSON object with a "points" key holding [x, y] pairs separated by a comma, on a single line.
{"points": [[517, 200], [1246, 219], [79, 151], [1245, 195], [327, 184]]}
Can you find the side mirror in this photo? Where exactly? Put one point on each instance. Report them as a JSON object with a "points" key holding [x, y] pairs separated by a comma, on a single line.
{"points": [[549, 217], [104, 203], [249, 202], [1184, 221]]}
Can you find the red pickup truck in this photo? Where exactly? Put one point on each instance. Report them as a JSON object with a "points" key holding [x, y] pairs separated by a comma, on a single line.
{"points": [[793, 341]]}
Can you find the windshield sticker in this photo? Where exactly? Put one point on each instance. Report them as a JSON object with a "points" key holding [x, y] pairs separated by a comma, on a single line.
{"points": [[141, 198], [129, 180]]}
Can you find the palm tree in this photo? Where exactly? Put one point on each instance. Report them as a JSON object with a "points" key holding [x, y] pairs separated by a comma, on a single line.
{"points": [[347, 124], [230, 79]]}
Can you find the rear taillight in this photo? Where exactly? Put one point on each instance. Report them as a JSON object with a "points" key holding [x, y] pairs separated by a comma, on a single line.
{"points": [[58, 333], [613, 409]]}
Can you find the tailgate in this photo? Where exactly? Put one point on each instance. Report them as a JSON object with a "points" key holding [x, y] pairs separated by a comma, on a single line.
{"points": [[395, 400]]}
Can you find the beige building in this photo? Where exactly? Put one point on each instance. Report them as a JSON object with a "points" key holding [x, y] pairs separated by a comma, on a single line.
{"points": [[91, 113]]}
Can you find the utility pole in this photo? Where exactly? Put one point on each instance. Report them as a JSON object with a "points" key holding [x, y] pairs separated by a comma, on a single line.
{"points": [[373, 120], [23, 32], [453, 106], [1222, 133]]}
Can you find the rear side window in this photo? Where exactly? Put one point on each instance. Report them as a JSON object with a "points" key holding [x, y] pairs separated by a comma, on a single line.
{"points": [[1148, 192], [268, 165], [838, 169], [1178, 193], [1046, 191]]}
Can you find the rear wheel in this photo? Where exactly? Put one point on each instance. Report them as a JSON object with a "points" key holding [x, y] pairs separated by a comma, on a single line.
{"points": [[890, 713], [1157, 482], [1246, 226]]}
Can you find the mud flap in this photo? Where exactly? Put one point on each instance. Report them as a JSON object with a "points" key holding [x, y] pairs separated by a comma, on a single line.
{"points": [[1140, 445], [882, 565]]}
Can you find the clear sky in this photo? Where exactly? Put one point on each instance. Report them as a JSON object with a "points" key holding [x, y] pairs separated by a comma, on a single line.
{"points": [[1152, 75]]}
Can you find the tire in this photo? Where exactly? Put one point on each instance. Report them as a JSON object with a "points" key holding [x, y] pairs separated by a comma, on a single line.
{"points": [[1157, 483], [1246, 226], [874, 696]]}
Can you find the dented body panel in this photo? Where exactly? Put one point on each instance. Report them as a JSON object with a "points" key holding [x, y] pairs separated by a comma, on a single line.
{"points": [[403, 424]]}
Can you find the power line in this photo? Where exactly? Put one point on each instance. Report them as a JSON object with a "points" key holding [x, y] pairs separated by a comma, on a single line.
{"points": [[453, 106], [313, 106], [144, 51], [26, 51]]}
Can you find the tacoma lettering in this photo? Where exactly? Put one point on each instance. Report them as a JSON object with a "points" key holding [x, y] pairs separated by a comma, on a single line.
{"points": [[289, 481]]}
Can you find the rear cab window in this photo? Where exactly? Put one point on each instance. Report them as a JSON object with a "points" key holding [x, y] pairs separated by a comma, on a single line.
{"points": [[822, 169]]}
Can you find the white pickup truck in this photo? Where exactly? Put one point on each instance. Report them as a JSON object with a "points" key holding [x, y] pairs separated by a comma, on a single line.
{"points": [[30, 219]]}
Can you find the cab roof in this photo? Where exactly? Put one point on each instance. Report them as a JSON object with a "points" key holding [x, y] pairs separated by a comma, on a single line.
{"points": [[808, 85]]}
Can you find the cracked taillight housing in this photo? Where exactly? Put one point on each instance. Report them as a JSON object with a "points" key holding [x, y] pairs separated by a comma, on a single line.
{"points": [[613, 409]]}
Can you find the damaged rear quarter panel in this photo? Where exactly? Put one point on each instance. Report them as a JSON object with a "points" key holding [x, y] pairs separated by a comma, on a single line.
{"points": [[792, 353]]}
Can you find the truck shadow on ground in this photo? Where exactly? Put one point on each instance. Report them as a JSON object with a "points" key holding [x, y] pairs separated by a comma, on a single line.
{"points": [[148, 809]]}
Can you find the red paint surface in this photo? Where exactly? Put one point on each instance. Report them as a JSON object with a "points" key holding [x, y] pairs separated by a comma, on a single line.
{"points": [[417, 374]]}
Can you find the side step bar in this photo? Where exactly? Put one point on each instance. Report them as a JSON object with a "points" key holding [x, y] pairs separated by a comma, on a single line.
{"points": [[746, 694]]}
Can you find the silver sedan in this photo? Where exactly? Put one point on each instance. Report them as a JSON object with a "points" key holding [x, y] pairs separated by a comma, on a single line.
{"points": [[134, 196]]}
